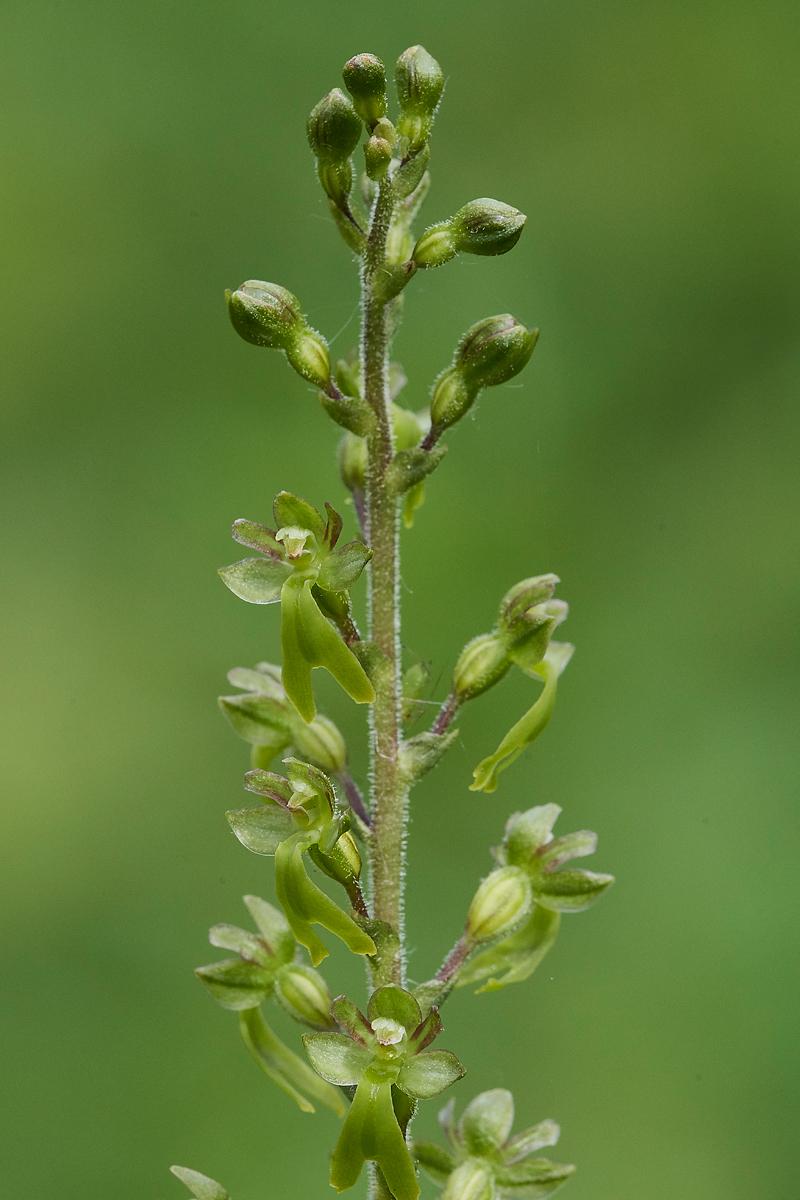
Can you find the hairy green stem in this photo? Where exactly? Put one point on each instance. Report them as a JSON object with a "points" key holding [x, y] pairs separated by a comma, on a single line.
{"points": [[388, 790]]}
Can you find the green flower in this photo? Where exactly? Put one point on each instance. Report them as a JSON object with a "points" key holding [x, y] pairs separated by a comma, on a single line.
{"points": [[483, 1162], [266, 718], [302, 569], [268, 968], [300, 814], [531, 853], [383, 1051]]}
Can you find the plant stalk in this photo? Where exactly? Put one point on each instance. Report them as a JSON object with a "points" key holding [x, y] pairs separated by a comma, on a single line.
{"points": [[389, 793]]}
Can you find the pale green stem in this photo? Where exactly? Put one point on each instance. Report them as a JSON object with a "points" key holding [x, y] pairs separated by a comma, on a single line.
{"points": [[388, 791]]}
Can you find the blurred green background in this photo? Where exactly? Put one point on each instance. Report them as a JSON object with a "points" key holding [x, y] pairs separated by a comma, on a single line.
{"points": [[154, 154]]}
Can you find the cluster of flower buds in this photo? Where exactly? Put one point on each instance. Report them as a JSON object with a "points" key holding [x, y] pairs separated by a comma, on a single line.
{"points": [[302, 569], [490, 353], [268, 967], [522, 900], [301, 814], [484, 1161], [266, 718], [265, 314], [484, 226], [383, 1050]]}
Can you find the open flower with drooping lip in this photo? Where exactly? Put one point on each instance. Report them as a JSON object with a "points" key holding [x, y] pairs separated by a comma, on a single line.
{"points": [[268, 967], [302, 569], [484, 1162], [385, 1049], [536, 858], [301, 814]]}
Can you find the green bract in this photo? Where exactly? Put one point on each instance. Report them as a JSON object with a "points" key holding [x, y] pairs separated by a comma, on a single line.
{"points": [[484, 1162], [301, 814], [385, 1049], [311, 579], [530, 852], [268, 968]]}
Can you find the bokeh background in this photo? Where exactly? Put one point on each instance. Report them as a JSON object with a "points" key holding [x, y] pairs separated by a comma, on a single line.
{"points": [[154, 154]]}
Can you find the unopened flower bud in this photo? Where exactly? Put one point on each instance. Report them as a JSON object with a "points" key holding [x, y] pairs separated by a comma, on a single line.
{"points": [[482, 663], [353, 462], [377, 155], [500, 903], [486, 227], [386, 130], [420, 82], [309, 356], [333, 128], [305, 995], [265, 314], [321, 744], [365, 79], [495, 350]]}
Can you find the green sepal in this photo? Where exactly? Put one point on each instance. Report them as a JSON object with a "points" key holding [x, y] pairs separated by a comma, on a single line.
{"points": [[308, 641], [486, 1121], [371, 1132], [518, 955], [305, 904], [570, 891], [256, 580], [236, 984], [546, 1133], [422, 753], [560, 850], [526, 832], [427, 1030], [273, 926], [410, 467], [532, 1179], [291, 510], [342, 568], [261, 829], [336, 1057], [260, 720], [438, 1164], [252, 948], [528, 728], [351, 1019], [396, 1004], [199, 1185], [351, 413], [284, 1067], [428, 1074], [257, 537], [264, 678]]}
